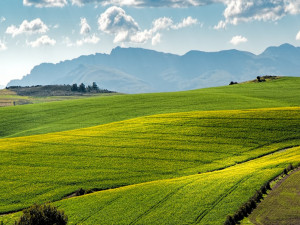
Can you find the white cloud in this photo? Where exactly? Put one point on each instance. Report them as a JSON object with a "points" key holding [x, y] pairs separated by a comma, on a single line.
{"points": [[34, 26], [141, 36], [92, 39], [185, 23], [162, 24], [238, 40], [45, 3], [293, 7], [2, 46], [2, 19], [147, 3], [298, 36], [85, 27], [42, 41], [88, 40], [115, 21], [156, 39], [221, 25], [238, 11]]}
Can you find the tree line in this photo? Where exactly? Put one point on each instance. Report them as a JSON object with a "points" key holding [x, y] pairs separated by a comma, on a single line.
{"points": [[82, 88]]}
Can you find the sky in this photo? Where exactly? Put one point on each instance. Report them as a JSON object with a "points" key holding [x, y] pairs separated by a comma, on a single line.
{"points": [[37, 31]]}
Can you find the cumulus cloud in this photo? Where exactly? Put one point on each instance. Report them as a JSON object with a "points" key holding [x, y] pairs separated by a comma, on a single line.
{"points": [[2, 46], [293, 7], [88, 40], [162, 24], [45, 3], [85, 27], [147, 3], [156, 39], [221, 25], [298, 36], [115, 21], [92, 39], [185, 23], [238, 11], [34, 26], [42, 41], [238, 40]]}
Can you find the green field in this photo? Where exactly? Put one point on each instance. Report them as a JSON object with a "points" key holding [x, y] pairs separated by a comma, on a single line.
{"points": [[197, 199], [60, 116], [166, 158]]}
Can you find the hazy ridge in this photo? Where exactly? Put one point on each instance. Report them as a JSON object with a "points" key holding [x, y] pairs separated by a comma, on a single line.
{"points": [[136, 70]]}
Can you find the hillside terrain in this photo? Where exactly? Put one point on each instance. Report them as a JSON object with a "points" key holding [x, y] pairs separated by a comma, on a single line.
{"points": [[189, 157], [39, 118], [135, 70]]}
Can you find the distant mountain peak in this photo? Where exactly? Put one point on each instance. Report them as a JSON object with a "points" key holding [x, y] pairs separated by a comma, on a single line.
{"points": [[287, 46], [138, 70], [281, 49]]}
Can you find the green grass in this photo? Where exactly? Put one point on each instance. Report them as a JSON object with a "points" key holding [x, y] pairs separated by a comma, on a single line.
{"points": [[67, 115], [197, 199], [281, 206], [166, 158], [47, 167]]}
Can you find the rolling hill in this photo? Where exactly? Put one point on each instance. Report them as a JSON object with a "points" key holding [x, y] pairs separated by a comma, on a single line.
{"points": [[139, 150], [167, 158], [135, 70], [60, 116]]}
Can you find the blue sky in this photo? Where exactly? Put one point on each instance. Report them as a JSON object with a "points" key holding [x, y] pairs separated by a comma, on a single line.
{"points": [[36, 31]]}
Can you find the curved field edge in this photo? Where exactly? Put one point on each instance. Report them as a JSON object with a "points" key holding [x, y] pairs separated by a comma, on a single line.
{"points": [[281, 205], [74, 114], [196, 199], [48, 167]]}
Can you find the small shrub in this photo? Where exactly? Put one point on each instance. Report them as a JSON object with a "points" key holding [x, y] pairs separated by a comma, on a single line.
{"points": [[290, 167], [268, 186], [229, 221], [42, 215], [80, 192], [263, 189], [252, 204], [232, 83]]}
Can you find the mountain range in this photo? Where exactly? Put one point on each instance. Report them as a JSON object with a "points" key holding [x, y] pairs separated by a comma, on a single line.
{"points": [[137, 70]]}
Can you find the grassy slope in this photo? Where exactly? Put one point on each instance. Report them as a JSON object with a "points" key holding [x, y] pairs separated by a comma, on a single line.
{"points": [[197, 199], [164, 146], [281, 206], [67, 115], [138, 150]]}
